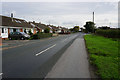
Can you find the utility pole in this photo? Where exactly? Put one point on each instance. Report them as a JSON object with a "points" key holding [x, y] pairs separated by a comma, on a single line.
{"points": [[93, 21], [93, 17]]}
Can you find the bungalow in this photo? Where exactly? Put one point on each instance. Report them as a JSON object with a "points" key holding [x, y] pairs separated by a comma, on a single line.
{"points": [[63, 30], [41, 26], [55, 29], [9, 24]]}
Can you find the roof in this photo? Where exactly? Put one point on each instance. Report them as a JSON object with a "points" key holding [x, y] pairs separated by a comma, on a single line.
{"points": [[65, 28], [14, 22], [55, 28], [39, 25]]}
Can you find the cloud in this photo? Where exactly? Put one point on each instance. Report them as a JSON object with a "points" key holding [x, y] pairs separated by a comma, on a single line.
{"points": [[65, 14], [59, 0]]}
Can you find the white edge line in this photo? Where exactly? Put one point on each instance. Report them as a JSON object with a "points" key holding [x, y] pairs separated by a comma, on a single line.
{"points": [[45, 50], [64, 40]]}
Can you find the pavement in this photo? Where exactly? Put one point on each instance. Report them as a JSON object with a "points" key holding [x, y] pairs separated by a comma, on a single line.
{"points": [[73, 63], [34, 58]]}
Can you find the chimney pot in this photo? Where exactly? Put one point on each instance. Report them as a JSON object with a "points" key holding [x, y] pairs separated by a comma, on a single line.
{"points": [[11, 15]]}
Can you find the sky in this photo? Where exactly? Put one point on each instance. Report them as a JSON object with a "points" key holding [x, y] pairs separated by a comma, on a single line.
{"points": [[67, 14]]}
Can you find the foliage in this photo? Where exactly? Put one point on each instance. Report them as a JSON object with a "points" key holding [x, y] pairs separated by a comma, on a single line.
{"points": [[89, 26], [108, 33], [47, 30], [25, 31], [103, 55], [30, 32], [76, 28], [71, 29], [41, 35]]}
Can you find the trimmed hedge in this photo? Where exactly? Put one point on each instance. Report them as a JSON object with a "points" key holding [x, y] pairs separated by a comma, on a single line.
{"points": [[108, 33], [41, 35]]}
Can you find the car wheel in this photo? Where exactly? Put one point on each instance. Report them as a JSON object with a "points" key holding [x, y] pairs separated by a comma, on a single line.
{"points": [[22, 38], [10, 38]]}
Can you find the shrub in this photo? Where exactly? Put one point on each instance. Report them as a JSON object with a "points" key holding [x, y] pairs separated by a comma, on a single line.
{"points": [[108, 33], [30, 32], [41, 35], [47, 30]]}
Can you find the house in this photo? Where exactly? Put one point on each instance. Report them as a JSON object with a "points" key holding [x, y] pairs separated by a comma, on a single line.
{"points": [[55, 29], [10, 24], [42, 27], [63, 30], [51, 28]]}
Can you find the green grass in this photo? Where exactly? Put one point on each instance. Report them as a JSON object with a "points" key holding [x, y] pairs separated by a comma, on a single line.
{"points": [[104, 56]]}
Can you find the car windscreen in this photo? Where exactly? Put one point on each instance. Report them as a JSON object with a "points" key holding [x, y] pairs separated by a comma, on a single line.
{"points": [[12, 33]]}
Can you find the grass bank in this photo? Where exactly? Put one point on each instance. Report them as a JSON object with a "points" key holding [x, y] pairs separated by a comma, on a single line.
{"points": [[104, 56]]}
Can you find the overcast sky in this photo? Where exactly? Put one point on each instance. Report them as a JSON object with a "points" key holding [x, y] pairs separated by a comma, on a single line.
{"points": [[65, 14]]}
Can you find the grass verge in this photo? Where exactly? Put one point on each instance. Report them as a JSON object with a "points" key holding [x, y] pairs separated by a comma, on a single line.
{"points": [[104, 56]]}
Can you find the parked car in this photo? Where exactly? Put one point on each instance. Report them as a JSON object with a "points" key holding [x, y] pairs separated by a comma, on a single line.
{"points": [[18, 35]]}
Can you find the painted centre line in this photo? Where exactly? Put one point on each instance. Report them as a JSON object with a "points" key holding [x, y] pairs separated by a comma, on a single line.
{"points": [[45, 50]]}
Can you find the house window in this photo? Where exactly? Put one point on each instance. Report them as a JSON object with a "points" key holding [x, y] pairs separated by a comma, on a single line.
{"points": [[17, 30], [2, 30], [11, 30]]}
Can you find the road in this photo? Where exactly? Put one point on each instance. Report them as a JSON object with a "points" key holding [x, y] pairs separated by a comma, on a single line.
{"points": [[34, 59]]}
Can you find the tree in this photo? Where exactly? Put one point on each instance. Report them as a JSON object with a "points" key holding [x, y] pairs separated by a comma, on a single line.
{"points": [[47, 30], [76, 28], [25, 31], [53, 30], [71, 29], [30, 32], [90, 26]]}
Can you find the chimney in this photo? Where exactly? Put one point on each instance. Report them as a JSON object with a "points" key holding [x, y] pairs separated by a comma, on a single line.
{"points": [[33, 21], [12, 16]]}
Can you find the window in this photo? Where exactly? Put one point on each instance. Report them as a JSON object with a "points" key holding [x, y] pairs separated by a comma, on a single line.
{"points": [[2, 30], [11, 30]]}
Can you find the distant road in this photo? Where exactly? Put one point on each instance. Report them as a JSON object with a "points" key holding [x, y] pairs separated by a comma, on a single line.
{"points": [[33, 59]]}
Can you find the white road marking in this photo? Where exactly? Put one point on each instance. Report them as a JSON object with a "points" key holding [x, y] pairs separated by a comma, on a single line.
{"points": [[45, 50], [1, 74], [64, 40]]}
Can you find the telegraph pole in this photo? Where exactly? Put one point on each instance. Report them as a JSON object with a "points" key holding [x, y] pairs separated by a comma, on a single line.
{"points": [[93, 22], [93, 17]]}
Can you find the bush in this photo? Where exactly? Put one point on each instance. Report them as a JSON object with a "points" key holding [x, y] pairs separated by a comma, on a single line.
{"points": [[30, 32], [41, 35], [47, 30], [108, 33]]}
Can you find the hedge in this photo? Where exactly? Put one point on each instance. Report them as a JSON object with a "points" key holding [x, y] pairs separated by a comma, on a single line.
{"points": [[108, 33], [41, 35]]}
